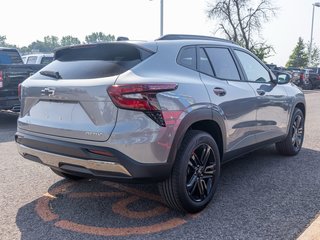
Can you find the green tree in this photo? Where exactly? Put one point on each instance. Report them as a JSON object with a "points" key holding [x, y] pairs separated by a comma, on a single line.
{"points": [[241, 20], [24, 50], [51, 42], [299, 56], [69, 40], [99, 37], [315, 56], [3, 42], [38, 46], [48, 44], [262, 50]]}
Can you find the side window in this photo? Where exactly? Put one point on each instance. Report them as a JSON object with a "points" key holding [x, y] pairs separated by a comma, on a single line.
{"points": [[204, 64], [32, 60], [223, 63], [188, 57], [253, 69]]}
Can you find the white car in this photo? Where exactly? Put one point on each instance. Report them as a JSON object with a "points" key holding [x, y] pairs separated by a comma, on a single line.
{"points": [[39, 58]]}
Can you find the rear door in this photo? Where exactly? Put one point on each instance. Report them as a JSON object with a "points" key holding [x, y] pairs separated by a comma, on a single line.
{"points": [[68, 97], [271, 99], [230, 93]]}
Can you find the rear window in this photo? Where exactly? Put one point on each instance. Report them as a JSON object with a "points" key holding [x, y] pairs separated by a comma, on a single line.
{"points": [[10, 57], [95, 61]]}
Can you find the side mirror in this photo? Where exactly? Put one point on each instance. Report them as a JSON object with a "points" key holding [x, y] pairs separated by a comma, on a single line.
{"points": [[283, 78]]}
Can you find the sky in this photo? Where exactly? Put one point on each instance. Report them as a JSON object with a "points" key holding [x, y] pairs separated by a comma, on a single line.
{"points": [[140, 20]]}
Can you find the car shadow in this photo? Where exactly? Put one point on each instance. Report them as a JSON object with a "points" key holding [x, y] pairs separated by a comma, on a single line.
{"points": [[261, 196]]}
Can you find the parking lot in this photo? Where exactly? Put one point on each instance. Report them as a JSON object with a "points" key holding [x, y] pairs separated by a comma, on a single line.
{"points": [[261, 196]]}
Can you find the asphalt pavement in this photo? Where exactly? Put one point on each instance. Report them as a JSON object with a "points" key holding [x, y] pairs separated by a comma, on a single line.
{"points": [[261, 195]]}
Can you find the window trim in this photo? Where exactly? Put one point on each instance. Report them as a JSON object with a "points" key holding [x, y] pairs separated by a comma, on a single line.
{"points": [[242, 79], [198, 62]]}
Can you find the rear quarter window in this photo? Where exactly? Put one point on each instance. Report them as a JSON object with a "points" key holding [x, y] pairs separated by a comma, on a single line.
{"points": [[187, 57]]}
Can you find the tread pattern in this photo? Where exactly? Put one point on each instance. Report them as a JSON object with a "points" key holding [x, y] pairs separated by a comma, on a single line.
{"points": [[169, 188], [285, 147]]}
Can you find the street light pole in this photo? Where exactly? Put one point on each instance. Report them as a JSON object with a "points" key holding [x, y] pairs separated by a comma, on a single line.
{"points": [[317, 4], [161, 19]]}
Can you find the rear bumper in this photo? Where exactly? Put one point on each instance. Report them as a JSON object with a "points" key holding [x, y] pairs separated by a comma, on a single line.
{"points": [[10, 103], [81, 160]]}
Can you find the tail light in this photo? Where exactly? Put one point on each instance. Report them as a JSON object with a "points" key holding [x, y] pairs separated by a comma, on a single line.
{"points": [[141, 97], [19, 91], [301, 76], [1, 79]]}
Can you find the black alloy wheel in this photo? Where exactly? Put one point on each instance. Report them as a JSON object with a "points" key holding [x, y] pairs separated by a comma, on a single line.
{"points": [[200, 173], [297, 132], [292, 144], [195, 173]]}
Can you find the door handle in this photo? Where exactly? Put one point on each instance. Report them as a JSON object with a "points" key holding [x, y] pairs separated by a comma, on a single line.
{"points": [[261, 92], [219, 91]]}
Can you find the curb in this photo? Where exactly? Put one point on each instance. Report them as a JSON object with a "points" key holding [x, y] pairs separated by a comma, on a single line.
{"points": [[313, 230]]}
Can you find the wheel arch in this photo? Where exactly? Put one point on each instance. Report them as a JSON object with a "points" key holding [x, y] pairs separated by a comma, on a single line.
{"points": [[201, 119], [302, 107]]}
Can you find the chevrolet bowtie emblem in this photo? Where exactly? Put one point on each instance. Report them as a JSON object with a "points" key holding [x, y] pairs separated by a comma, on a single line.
{"points": [[47, 92]]}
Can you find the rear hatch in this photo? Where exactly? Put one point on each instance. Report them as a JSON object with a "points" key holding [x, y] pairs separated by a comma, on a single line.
{"points": [[68, 97]]}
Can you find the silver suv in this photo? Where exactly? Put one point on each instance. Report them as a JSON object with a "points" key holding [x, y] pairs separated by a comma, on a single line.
{"points": [[171, 110]]}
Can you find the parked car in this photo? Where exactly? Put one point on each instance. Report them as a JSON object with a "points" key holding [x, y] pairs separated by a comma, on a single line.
{"points": [[12, 73], [305, 79], [314, 77], [39, 58], [171, 110], [300, 77]]}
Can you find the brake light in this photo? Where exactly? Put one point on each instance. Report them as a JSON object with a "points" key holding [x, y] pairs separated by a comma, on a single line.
{"points": [[301, 76], [1, 79], [141, 97], [19, 91]]}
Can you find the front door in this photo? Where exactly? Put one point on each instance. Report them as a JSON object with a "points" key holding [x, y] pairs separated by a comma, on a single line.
{"points": [[271, 99]]}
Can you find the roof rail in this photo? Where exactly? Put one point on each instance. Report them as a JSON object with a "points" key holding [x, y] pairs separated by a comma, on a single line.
{"points": [[191, 37]]}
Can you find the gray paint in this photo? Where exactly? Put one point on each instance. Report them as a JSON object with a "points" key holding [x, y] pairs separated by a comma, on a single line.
{"points": [[82, 112]]}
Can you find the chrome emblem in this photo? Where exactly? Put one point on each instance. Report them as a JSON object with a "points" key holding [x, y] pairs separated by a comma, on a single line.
{"points": [[47, 92]]}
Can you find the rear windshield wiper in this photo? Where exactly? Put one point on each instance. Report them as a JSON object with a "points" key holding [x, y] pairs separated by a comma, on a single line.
{"points": [[52, 74]]}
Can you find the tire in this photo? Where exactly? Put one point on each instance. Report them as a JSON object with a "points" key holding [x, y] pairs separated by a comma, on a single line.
{"points": [[195, 174], [292, 144], [66, 175], [311, 86]]}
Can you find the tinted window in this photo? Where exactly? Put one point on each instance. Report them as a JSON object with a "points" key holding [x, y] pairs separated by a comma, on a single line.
{"points": [[204, 64], [188, 57], [223, 63], [8, 56], [95, 61], [253, 69], [32, 60]]}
